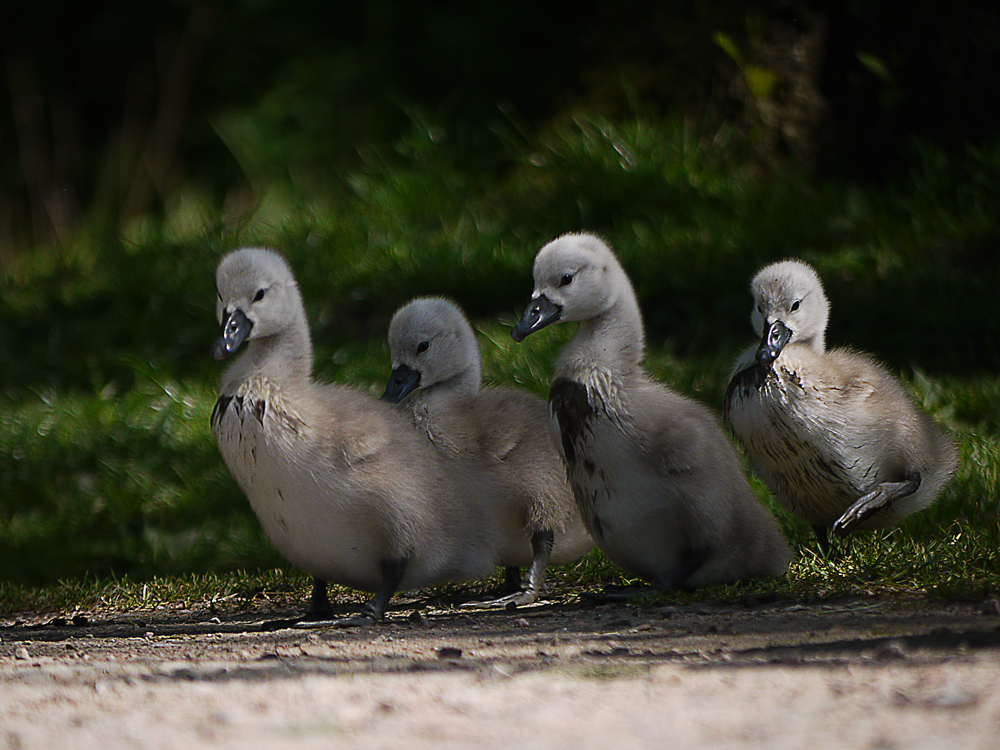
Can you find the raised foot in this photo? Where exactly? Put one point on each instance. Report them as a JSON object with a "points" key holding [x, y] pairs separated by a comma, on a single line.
{"points": [[878, 499]]}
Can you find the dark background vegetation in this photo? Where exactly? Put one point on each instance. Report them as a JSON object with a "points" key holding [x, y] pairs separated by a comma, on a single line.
{"points": [[392, 149], [114, 106]]}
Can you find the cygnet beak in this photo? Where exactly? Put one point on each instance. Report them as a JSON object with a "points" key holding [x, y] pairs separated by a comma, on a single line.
{"points": [[540, 313], [402, 381], [772, 343], [235, 329]]}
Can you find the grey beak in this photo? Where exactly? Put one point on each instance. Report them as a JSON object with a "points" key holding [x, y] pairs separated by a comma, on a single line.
{"points": [[402, 381], [235, 329], [540, 313], [772, 343]]}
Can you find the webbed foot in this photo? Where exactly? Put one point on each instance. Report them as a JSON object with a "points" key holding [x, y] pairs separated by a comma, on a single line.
{"points": [[517, 599], [522, 593], [878, 499], [360, 620]]}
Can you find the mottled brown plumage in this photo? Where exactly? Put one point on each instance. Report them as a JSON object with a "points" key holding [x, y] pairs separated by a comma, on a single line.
{"points": [[655, 477], [835, 435], [343, 486]]}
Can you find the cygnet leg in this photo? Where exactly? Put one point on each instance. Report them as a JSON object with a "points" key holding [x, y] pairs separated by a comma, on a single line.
{"points": [[541, 548], [374, 608], [690, 562], [823, 537], [529, 590], [319, 604], [669, 581], [868, 505], [511, 580], [320, 613]]}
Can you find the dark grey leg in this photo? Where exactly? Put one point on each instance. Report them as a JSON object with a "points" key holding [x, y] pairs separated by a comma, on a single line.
{"points": [[319, 603], [527, 591], [669, 581], [541, 548], [823, 538], [511, 580], [674, 579], [373, 610], [868, 505]]}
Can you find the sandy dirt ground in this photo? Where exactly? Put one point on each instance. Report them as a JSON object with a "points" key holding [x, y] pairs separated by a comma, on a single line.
{"points": [[861, 673]]}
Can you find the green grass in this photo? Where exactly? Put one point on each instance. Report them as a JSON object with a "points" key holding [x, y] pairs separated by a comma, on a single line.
{"points": [[108, 470]]}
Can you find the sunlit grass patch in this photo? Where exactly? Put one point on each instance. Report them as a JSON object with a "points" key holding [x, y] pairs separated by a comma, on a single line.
{"points": [[114, 595], [128, 482], [954, 564]]}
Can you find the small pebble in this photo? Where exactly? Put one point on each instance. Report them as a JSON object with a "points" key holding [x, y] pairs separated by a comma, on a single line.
{"points": [[991, 607], [22, 653]]}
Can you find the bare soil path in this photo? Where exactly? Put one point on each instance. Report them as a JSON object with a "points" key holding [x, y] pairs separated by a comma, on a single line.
{"points": [[859, 673]]}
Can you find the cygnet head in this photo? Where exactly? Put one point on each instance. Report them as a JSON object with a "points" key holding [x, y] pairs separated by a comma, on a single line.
{"points": [[257, 298], [789, 306], [431, 342], [577, 278]]}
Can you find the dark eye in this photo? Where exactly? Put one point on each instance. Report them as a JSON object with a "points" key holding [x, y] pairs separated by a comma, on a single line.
{"points": [[259, 295], [795, 305], [566, 279], [423, 346], [760, 309]]}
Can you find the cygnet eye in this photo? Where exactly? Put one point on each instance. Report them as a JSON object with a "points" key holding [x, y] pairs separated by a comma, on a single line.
{"points": [[795, 305], [566, 280], [259, 295], [423, 346]]}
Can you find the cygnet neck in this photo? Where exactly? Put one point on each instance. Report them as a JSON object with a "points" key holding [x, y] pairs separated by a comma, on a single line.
{"points": [[285, 358], [613, 341]]}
